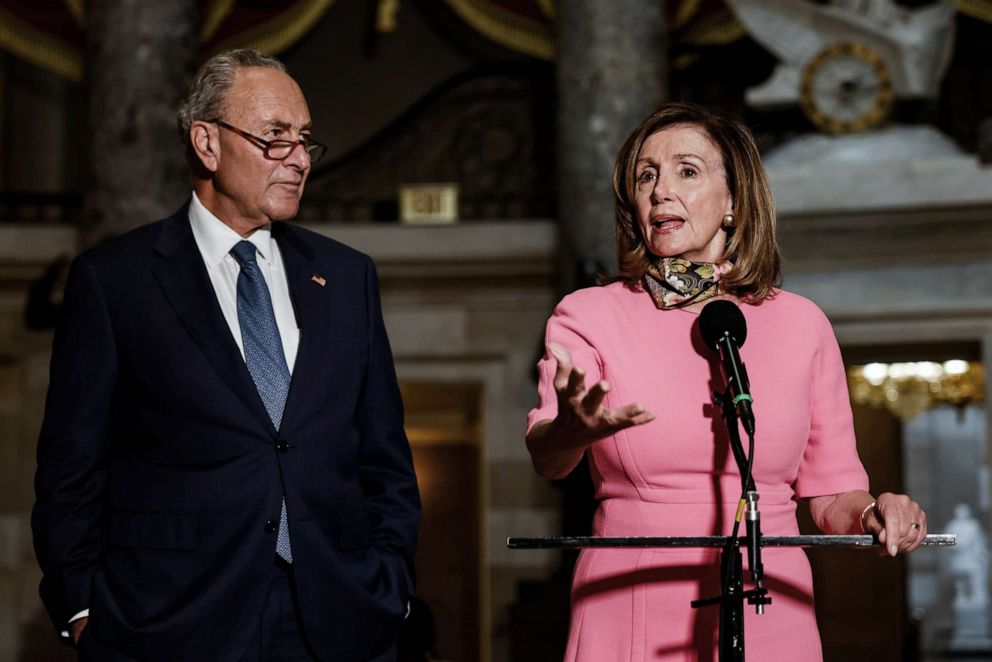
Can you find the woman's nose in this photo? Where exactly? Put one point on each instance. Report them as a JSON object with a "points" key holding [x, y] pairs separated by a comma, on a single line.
{"points": [[661, 190]]}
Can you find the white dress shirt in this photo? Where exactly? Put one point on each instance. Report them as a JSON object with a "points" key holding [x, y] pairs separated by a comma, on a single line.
{"points": [[215, 240]]}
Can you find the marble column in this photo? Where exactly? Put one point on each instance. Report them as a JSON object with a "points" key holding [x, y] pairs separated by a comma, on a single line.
{"points": [[139, 57], [612, 73]]}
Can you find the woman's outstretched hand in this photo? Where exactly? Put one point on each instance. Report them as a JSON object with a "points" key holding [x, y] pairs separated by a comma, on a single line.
{"points": [[582, 418], [556, 445]]}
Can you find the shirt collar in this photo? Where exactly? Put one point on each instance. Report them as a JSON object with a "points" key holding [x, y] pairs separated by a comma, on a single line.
{"points": [[215, 239]]}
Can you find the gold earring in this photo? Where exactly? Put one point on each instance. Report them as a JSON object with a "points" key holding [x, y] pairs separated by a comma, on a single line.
{"points": [[728, 221]]}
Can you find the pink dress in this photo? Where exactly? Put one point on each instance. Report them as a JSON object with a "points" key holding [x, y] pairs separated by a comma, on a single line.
{"points": [[676, 475]]}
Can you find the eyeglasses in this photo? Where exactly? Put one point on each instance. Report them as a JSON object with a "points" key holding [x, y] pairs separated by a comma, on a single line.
{"points": [[279, 150]]}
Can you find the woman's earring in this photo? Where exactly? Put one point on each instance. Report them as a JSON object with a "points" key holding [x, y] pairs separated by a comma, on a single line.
{"points": [[728, 221]]}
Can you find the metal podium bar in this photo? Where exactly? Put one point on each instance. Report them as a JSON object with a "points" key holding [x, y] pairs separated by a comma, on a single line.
{"points": [[587, 542]]}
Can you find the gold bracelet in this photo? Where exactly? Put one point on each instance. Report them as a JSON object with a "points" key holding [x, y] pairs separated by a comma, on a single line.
{"points": [[863, 513]]}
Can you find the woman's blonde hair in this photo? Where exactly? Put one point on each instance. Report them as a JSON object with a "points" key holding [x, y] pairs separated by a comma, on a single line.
{"points": [[751, 247]]}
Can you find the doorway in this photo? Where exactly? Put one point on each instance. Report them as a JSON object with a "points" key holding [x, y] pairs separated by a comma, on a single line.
{"points": [[872, 608], [443, 423]]}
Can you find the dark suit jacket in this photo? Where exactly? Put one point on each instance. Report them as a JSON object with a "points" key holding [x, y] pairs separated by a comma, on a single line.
{"points": [[160, 475]]}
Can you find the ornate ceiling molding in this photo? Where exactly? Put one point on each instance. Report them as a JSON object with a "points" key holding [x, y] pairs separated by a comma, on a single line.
{"points": [[980, 9], [49, 38], [520, 26], [52, 35], [277, 32]]}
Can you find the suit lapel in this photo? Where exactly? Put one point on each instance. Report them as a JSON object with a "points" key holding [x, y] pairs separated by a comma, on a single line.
{"points": [[179, 269], [307, 298]]}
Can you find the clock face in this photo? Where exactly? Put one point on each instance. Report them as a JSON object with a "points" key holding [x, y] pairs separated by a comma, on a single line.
{"points": [[846, 87]]}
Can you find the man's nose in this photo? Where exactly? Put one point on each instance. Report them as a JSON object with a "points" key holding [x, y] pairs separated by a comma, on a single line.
{"points": [[299, 157]]}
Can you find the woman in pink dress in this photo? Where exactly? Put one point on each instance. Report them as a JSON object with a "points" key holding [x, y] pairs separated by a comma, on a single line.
{"points": [[628, 381]]}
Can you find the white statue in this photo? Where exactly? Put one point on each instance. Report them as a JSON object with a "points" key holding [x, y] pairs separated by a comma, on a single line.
{"points": [[846, 61], [969, 560]]}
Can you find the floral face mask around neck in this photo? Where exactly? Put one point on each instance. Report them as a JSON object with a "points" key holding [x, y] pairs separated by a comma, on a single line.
{"points": [[674, 282]]}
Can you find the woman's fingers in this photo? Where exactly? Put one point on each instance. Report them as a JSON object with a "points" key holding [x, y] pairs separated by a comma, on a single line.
{"points": [[904, 523], [564, 369], [628, 416], [917, 530], [576, 383], [920, 535], [570, 380], [609, 421], [594, 397]]}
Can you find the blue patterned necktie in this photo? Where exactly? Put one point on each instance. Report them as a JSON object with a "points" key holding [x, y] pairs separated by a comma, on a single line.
{"points": [[263, 354]]}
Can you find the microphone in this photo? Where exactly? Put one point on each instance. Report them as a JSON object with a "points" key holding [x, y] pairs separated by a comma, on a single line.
{"points": [[723, 328]]}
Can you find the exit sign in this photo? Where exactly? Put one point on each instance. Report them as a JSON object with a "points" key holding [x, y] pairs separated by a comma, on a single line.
{"points": [[429, 203]]}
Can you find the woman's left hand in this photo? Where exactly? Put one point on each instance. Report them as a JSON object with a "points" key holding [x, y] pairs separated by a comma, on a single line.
{"points": [[898, 522]]}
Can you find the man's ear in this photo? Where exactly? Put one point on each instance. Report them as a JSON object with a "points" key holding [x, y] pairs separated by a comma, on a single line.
{"points": [[205, 144]]}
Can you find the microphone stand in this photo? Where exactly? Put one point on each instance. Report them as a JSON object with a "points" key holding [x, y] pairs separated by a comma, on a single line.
{"points": [[731, 599]]}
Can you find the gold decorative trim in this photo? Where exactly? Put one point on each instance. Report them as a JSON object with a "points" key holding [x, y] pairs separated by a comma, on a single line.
{"points": [[506, 28], [548, 7], [23, 40], [281, 32], [685, 60], [685, 11], [385, 16], [980, 9], [216, 12], [716, 33], [75, 8]]}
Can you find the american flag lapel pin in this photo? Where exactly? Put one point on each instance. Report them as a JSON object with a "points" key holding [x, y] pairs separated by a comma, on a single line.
{"points": [[320, 280]]}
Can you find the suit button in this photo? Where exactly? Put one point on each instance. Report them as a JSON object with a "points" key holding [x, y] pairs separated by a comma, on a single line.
{"points": [[271, 525], [282, 445]]}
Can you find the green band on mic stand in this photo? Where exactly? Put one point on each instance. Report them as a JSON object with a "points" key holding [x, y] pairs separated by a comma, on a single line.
{"points": [[743, 396]]}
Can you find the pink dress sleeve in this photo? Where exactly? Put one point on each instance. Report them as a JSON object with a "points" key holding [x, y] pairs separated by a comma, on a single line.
{"points": [[830, 463], [565, 328]]}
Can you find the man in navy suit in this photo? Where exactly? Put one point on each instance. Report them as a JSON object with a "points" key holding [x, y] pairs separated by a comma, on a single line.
{"points": [[222, 471]]}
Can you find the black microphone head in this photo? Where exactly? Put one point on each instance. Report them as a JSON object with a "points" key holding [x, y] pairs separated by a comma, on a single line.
{"points": [[722, 317]]}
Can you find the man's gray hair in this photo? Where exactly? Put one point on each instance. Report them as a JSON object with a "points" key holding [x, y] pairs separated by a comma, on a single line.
{"points": [[212, 82]]}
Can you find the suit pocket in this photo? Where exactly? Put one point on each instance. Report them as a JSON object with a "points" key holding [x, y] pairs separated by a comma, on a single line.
{"points": [[354, 530], [154, 530]]}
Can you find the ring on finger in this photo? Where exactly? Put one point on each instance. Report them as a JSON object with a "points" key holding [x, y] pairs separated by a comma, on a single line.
{"points": [[915, 525]]}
